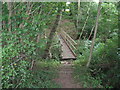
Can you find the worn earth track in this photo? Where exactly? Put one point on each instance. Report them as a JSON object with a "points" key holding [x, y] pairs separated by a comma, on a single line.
{"points": [[65, 78]]}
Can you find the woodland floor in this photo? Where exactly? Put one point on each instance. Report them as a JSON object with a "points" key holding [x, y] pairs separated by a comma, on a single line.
{"points": [[65, 79]]}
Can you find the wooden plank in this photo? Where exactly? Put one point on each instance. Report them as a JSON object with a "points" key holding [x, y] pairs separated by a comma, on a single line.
{"points": [[66, 52], [71, 43], [72, 50]]}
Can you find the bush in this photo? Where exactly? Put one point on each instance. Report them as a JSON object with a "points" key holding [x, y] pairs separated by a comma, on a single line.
{"points": [[104, 66], [105, 62], [43, 74]]}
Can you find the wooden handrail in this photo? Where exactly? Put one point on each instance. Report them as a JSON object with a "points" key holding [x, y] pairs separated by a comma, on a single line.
{"points": [[69, 37], [68, 44], [69, 41]]}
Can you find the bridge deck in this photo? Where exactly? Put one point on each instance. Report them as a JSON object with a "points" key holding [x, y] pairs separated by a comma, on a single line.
{"points": [[66, 52]]}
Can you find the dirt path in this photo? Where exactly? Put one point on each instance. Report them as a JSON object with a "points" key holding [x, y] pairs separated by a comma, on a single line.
{"points": [[65, 78]]}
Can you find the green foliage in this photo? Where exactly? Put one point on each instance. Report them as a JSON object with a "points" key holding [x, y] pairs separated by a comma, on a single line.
{"points": [[56, 48], [50, 64], [21, 45], [84, 77], [104, 67], [105, 62], [84, 49], [43, 75], [17, 73]]}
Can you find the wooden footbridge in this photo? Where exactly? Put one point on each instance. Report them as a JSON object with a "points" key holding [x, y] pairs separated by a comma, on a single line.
{"points": [[68, 46]]}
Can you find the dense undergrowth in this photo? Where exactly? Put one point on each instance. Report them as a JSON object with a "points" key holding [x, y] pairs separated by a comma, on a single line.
{"points": [[104, 67], [84, 78], [24, 42], [43, 74], [17, 73], [17, 60]]}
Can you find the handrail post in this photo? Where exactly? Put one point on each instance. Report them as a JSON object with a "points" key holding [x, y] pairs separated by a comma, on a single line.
{"points": [[69, 41]]}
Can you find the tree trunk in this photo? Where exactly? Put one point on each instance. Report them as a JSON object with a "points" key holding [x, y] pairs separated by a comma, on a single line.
{"points": [[95, 32], [85, 23], [1, 44], [38, 38], [78, 18], [9, 17], [118, 8], [54, 28], [91, 32]]}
